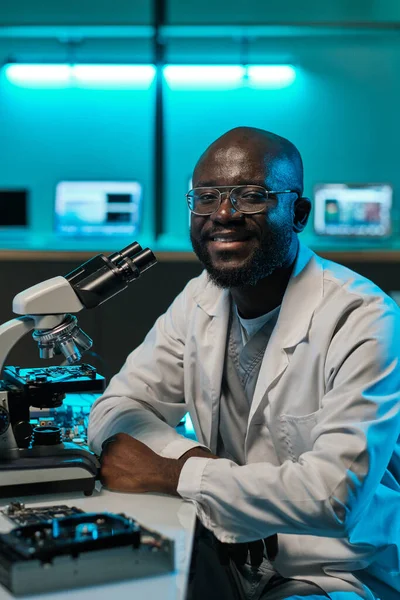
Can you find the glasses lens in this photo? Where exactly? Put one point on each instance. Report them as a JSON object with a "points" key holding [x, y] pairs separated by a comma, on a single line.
{"points": [[249, 198], [203, 201]]}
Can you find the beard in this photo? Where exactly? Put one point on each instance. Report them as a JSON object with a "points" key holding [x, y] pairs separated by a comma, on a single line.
{"points": [[271, 254]]}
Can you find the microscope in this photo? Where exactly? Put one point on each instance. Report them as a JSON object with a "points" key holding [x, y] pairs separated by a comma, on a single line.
{"points": [[37, 460]]}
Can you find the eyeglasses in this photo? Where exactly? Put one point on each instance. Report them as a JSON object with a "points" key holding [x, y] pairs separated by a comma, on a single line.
{"points": [[249, 199]]}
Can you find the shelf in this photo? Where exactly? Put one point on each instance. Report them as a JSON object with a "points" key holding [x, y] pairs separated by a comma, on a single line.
{"points": [[306, 29], [369, 256], [75, 31]]}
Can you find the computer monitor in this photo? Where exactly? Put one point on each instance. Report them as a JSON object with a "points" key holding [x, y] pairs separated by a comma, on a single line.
{"points": [[13, 209], [98, 208], [353, 209]]}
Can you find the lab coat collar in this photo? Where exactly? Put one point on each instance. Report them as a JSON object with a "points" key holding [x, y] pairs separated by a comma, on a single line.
{"points": [[211, 298], [302, 295]]}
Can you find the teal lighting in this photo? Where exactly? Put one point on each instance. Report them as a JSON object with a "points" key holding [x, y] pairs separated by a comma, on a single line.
{"points": [[115, 74], [228, 76], [62, 75], [197, 76], [271, 76], [189, 429], [38, 74], [142, 76]]}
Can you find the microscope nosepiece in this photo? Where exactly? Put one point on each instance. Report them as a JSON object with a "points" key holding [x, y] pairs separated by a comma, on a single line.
{"points": [[67, 339]]}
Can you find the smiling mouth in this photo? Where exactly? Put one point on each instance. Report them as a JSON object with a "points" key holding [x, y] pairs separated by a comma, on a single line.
{"points": [[230, 244], [229, 241], [229, 238]]}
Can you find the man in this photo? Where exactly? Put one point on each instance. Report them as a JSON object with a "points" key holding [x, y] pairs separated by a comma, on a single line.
{"points": [[288, 366]]}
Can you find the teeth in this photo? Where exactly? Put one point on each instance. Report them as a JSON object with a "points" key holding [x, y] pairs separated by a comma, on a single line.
{"points": [[217, 239]]}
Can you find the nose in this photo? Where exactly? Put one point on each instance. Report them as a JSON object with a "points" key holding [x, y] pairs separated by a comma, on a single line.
{"points": [[226, 211]]}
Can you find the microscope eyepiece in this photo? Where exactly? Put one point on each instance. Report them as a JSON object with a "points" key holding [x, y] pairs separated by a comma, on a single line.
{"points": [[127, 252], [144, 260], [102, 277]]}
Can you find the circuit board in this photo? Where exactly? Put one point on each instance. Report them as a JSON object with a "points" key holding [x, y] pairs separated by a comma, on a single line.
{"points": [[19, 514], [79, 550], [72, 417]]}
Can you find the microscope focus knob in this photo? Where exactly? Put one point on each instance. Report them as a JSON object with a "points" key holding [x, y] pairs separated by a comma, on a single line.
{"points": [[23, 433], [46, 436]]}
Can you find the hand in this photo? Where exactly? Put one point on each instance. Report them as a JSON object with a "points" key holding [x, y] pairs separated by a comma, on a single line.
{"points": [[128, 465]]}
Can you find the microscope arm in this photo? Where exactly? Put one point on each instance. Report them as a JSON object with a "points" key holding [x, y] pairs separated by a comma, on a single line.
{"points": [[11, 332]]}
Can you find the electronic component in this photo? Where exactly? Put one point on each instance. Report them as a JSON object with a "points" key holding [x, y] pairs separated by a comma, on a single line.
{"points": [[81, 550], [47, 386], [72, 417], [18, 513]]}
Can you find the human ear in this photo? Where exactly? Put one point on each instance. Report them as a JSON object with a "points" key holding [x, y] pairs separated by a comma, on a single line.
{"points": [[301, 212]]}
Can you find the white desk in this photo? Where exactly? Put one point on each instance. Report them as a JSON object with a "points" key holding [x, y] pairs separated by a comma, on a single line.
{"points": [[168, 515]]}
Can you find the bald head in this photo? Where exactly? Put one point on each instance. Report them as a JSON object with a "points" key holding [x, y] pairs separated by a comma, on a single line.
{"points": [[247, 154]]}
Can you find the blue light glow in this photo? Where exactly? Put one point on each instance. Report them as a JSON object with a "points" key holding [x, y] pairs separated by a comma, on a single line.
{"points": [[274, 76], [61, 75], [228, 76], [189, 429], [141, 76], [114, 74], [198, 76], [38, 74]]}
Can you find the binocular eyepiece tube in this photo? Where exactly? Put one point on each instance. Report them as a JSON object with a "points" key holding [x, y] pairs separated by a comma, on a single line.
{"points": [[102, 277]]}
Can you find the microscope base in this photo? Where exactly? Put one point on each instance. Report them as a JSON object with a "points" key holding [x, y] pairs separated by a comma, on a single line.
{"points": [[65, 470], [53, 487]]}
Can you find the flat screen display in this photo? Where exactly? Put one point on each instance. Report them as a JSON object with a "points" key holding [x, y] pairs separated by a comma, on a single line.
{"points": [[353, 209], [98, 208], [13, 208]]}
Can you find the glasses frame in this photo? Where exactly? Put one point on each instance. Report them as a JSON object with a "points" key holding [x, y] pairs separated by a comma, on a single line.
{"points": [[228, 190]]}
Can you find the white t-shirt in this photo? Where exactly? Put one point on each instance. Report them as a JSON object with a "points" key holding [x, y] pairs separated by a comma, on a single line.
{"points": [[250, 326]]}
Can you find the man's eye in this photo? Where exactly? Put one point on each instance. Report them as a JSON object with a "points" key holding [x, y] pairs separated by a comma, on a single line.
{"points": [[253, 197], [207, 198]]}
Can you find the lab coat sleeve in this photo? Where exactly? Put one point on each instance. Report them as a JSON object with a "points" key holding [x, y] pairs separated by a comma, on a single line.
{"points": [[146, 398], [325, 492]]}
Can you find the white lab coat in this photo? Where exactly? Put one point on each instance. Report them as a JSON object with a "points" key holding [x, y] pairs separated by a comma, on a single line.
{"points": [[326, 404]]}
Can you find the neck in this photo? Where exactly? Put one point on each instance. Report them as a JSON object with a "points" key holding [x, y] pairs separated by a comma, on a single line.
{"points": [[255, 300]]}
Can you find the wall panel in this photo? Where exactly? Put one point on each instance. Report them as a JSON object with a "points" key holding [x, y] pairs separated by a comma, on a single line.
{"points": [[276, 11], [75, 12]]}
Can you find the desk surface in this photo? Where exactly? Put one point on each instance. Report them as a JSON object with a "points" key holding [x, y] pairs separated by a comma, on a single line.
{"points": [[170, 516]]}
